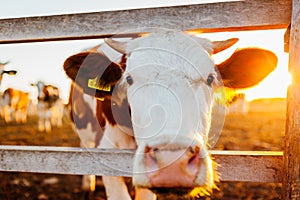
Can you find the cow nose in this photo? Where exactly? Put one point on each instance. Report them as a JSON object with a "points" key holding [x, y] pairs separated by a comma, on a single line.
{"points": [[172, 168]]}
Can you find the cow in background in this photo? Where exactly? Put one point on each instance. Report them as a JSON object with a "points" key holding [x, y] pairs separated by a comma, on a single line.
{"points": [[2, 72], [49, 107], [15, 105], [238, 104]]}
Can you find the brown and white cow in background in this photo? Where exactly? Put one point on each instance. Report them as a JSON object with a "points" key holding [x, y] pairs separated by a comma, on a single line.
{"points": [[160, 104], [2, 72], [15, 105], [49, 107], [238, 104]]}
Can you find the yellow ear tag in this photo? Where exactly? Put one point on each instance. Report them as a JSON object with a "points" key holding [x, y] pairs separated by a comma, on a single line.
{"points": [[92, 83], [100, 99]]}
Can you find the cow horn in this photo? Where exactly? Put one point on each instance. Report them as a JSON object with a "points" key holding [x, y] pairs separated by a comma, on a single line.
{"points": [[116, 45], [95, 48], [219, 46]]}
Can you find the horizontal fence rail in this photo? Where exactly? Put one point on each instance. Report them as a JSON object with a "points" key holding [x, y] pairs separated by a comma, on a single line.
{"points": [[235, 15], [254, 166], [230, 15]]}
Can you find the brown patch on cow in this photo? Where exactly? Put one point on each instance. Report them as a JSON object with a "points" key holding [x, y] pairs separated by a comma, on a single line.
{"points": [[22, 98], [247, 67], [85, 66], [82, 114], [51, 95], [117, 114]]}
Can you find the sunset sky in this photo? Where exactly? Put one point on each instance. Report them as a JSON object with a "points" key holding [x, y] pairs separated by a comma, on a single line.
{"points": [[43, 61]]}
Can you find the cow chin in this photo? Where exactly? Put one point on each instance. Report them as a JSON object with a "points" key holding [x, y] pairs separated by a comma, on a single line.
{"points": [[202, 184]]}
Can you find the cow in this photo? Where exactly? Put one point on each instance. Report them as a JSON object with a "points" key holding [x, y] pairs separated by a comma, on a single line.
{"points": [[85, 113], [160, 104], [15, 105], [3, 71], [238, 104], [49, 107]]}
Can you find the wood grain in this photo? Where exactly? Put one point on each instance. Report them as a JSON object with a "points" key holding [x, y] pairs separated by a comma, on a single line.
{"points": [[291, 178], [221, 16], [233, 165]]}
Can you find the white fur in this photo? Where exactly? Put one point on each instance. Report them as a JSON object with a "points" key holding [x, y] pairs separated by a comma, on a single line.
{"points": [[49, 117], [87, 140], [170, 100], [114, 137], [115, 187], [44, 115], [87, 136]]}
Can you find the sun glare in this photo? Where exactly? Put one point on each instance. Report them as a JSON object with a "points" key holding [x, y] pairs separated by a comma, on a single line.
{"points": [[275, 85]]}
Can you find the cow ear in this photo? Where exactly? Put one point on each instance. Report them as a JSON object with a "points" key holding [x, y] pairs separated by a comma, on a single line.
{"points": [[247, 67], [93, 72]]}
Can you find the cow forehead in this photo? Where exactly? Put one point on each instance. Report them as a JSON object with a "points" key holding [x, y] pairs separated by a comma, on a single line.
{"points": [[170, 52]]}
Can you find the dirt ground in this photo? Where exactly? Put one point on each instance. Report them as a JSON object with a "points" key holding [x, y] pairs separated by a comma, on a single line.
{"points": [[261, 129]]}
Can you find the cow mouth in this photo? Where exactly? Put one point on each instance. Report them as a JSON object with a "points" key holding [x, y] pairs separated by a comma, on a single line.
{"points": [[188, 192]]}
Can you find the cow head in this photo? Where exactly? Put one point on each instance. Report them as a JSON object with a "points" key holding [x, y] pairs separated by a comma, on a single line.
{"points": [[3, 71], [169, 82], [48, 93]]}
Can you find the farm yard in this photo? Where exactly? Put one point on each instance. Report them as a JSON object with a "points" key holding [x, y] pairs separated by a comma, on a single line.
{"points": [[262, 129], [266, 127]]}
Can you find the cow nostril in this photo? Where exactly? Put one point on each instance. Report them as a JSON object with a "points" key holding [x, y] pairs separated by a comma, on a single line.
{"points": [[151, 153], [151, 160], [191, 150], [193, 164], [194, 150], [155, 150], [152, 156], [194, 160]]}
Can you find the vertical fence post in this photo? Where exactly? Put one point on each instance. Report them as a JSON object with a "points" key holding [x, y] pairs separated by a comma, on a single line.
{"points": [[291, 169]]}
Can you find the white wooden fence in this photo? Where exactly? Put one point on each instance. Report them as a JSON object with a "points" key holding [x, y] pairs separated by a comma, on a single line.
{"points": [[282, 167]]}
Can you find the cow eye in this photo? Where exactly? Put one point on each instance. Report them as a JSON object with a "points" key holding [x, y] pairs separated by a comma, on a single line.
{"points": [[129, 80], [210, 80]]}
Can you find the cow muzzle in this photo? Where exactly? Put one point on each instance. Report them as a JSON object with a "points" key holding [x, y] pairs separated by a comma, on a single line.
{"points": [[172, 168]]}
